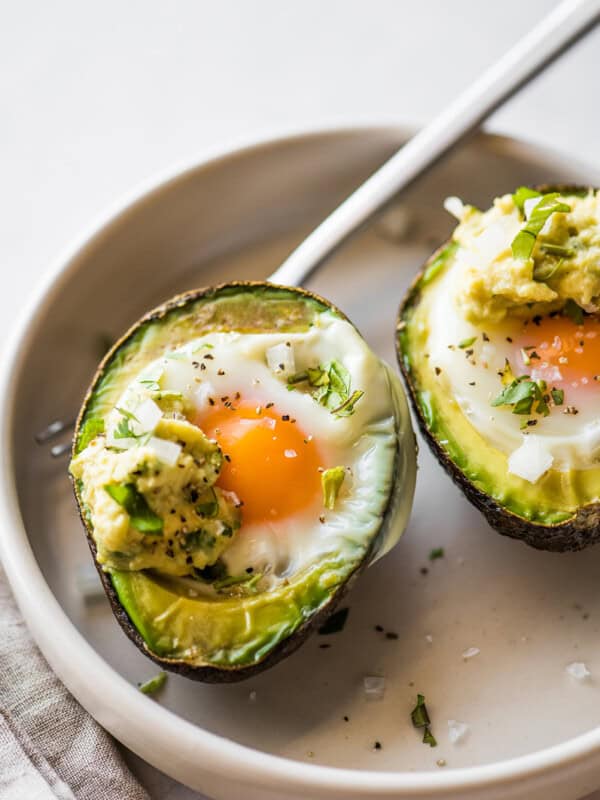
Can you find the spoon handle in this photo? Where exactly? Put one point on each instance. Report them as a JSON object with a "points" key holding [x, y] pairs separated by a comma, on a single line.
{"points": [[551, 37]]}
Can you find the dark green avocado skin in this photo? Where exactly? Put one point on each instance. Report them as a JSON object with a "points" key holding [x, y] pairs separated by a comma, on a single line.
{"points": [[208, 674], [574, 534]]}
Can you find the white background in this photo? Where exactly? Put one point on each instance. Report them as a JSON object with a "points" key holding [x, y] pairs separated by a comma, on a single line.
{"points": [[97, 97]]}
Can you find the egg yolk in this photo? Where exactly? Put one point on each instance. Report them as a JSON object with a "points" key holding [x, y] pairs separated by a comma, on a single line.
{"points": [[557, 346], [270, 463]]}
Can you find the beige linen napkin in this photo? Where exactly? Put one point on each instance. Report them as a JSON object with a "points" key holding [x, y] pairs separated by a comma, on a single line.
{"points": [[49, 746]]}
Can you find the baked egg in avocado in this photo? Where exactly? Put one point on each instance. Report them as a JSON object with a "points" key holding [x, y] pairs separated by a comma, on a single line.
{"points": [[499, 343], [240, 456]]}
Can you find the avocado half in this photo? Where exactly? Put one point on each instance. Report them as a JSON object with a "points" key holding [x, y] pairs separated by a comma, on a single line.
{"points": [[234, 638], [547, 517]]}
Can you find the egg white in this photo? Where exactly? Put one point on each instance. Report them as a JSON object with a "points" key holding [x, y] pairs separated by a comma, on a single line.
{"points": [[473, 380], [365, 442]]}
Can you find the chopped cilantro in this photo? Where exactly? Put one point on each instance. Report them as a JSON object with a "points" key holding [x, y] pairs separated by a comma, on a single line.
{"points": [[141, 515], [331, 483], [437, 552], [557, 250], [429, 738], [558, 396], [524, 193], [330, 386], [210, 504], [419, 714], [123, 429], [467, 342], [521, 394], [335, 623], [524, 242], [154, 684]]}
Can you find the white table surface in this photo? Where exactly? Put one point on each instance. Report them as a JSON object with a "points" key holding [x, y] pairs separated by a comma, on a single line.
{"points": [[97, 97]]}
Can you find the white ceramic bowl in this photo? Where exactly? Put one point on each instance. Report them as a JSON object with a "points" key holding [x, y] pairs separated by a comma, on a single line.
{"points": [[283, 735]]}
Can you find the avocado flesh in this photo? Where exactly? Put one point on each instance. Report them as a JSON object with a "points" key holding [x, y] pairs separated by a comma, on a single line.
{"points": [[228, 638], [560, 512], [236, 632]]}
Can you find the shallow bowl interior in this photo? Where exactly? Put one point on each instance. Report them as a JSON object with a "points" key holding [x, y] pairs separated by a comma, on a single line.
{"points": [[528, 613]]}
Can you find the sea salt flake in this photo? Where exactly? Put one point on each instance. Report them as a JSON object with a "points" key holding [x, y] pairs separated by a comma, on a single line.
{"points": [[471, 652], [374, 687], [457, 730], [429, 638], [578, 670]]}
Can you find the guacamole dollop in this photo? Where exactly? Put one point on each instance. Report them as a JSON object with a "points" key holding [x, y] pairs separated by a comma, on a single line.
{"points": [[148, 514], [563, 265]]}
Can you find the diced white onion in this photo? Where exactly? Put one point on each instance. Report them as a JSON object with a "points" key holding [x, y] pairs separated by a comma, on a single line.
{"points": [[471, 652], [167, 452], [374, 687], [531, 460], [147, 415], [457, 730], [494, 240], [231, 496], [290, 453], [455, 206], [280, 359], [578, 670]]}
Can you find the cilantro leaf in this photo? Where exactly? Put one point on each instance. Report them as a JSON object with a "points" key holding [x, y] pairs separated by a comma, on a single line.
{"points": [[419, 714], [154, 684], [524, 193], [134, 503], [524, 242], [330, 386], [521, 394]]}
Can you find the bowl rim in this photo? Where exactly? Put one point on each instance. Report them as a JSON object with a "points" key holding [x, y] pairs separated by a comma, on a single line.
{"points": [[54, 633]]}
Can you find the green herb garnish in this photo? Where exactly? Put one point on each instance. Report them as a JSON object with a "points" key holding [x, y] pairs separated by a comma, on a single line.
{"points": [[330, 386], [467, 342], [558, 396], [154, 684], [331, 483], [419, 714], [429, 738], [437, 552], [92, 427], [557, 250], [335, 623], [123, 429], [524, 193], [524, 242], [573, 311], [197, 540], [521, 394], [141, 515], [209, 506]]}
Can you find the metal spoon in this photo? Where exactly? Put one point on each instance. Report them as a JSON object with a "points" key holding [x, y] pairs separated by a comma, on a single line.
{"points": [[551, 37]]}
